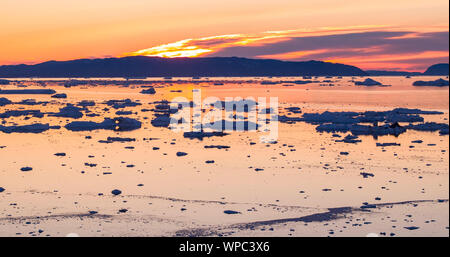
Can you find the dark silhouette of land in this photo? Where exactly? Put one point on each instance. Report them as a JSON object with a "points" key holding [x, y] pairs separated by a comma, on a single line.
{"points": [[440, 69], [437, 70], [142, 66]]}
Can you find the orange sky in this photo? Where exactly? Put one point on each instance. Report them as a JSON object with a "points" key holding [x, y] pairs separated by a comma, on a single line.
{"points": [[35, 31]]}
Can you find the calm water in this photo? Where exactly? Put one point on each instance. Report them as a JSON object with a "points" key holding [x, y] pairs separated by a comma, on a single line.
{"points": [[169, 195]]}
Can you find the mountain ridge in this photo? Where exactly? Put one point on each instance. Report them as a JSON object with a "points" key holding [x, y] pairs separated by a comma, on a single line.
{"points": [[143, 66]]}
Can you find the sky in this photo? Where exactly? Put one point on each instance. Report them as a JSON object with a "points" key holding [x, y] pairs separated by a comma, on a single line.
{"points": [[391, 35]]}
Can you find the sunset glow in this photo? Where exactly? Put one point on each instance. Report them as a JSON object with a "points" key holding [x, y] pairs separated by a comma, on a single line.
{"points": [[368, 47], [286, 29]]}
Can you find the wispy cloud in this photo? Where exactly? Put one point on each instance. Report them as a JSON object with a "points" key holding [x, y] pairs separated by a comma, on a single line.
{"points": [[368, 47]]}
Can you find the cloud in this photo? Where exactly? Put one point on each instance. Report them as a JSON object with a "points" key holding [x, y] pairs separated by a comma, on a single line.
{"points": [[368, 47]]}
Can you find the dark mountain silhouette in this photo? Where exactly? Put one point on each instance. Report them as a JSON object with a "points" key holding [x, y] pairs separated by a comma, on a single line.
{"points": [[142, 66], [392, 73], [440, 69]]}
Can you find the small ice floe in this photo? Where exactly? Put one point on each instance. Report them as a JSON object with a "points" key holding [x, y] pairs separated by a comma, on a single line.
{"points": [[117, 104], [124, 112], [200, 134], [235, 125], [414, 111], [86, 103], [368, 206], [369, 83], [117, 124], [180, 154], [4, 101], [33, 113], [231, 212], [434, 83], [33, 128], [68, 111], [350, 139], [412, 228], [294, 109], [268, 82], [216, 147], [31, 102], [333, 122], [387, 144], [355, 129], [163, 108], [25, 169], [74, 82], [149, 91], [116, 192], [289, 120], [27, 91], [395, 115], [61, 96], [430, 126], [117, 139], [161, 121], [303, 82], [366, 174]]}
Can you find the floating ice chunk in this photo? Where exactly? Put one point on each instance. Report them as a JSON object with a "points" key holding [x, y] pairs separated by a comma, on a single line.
{"points": [[180, 154], [430, 126], [216, 146], [387, 144], [331, 117], [149, 91], [287, 119], [27, 91], [117, 104], [117, 139], [366, 174], [116, 192], [293, 109], [201, 135], [33, 128], [350, 139], [86, 103], [124, 112], [161, 121], [4, 101], [434, 83], [369, 82], [69, 111], [413, 111], [34, 113], [117, 124], [59, 96], [231, 212]]}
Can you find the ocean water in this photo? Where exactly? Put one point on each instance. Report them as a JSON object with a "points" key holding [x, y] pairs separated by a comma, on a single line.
{"points": [[283, 188]]}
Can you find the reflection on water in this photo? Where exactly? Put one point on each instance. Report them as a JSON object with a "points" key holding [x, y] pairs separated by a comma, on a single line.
{"points": [[166, 193]]}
